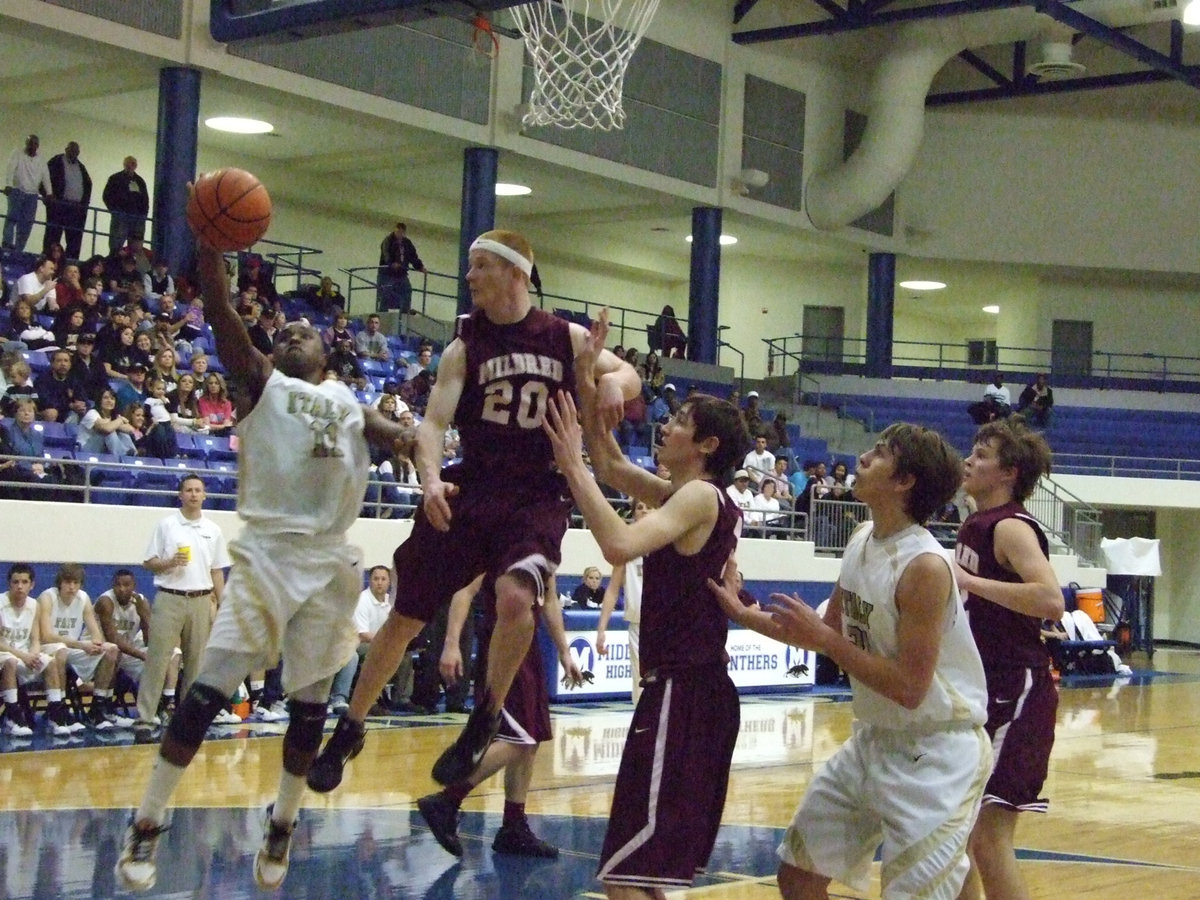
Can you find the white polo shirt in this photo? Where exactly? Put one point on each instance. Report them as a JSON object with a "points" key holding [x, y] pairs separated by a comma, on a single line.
{"points": [[209, 551], [371, 613]]}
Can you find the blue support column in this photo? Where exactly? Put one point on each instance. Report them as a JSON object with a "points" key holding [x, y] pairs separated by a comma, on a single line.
{"points": [[175, 163], [881, 306], [705, 286], [480, 165]]}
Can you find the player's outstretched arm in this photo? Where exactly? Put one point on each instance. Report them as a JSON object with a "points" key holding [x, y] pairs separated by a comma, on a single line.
{"points": [[607, 606], [233, 341], [431, 434]]}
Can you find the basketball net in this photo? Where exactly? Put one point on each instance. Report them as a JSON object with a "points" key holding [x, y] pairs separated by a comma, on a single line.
{"points": [[579, 62]]}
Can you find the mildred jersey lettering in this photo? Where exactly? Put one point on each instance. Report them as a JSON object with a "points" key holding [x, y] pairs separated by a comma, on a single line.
{"points": [[512, 371]]}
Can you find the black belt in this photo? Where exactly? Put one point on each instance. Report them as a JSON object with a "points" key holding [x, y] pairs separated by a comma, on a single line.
{"points": [[202, 593]]}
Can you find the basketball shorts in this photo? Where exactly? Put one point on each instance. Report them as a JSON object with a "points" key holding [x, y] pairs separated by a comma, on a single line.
{"points": [[671, 785], [291, 595], [26, 674], [492, 531], [525, 718], [1022, 712], [83, 663], [916, 793]]}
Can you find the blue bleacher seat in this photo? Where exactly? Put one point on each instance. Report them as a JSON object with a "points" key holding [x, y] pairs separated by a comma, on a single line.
{"points": [[58, 453], [186, 444], [38, 360], [57, 434], [375, 367], [214, 446], [221, 478]]}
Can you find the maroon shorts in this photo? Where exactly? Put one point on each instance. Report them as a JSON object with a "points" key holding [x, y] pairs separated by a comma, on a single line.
{"points": [[1022, 711], [492, 529], [526, 717], [670, 790]]}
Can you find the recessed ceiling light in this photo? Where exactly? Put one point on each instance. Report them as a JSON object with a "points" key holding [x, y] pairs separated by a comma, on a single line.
{"points": [[923, 285], [993, 310], [727, 240], [512, 190], [239, 125]]}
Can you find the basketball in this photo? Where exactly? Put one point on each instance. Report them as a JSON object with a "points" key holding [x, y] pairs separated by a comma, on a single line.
{"points": [[229, 209]]}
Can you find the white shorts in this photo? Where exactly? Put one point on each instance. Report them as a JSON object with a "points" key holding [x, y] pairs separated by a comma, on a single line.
{"points": [[25, 674], [291, 595], [81, 661], [916, 793], [133, 666]]}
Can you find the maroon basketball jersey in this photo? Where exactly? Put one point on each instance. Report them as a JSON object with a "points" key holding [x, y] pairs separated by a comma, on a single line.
{"points": [[682, 623], [1005, 638], [512, 372]]}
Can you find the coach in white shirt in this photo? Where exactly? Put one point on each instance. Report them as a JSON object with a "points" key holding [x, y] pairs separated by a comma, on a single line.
{"points": [[187, 554]]}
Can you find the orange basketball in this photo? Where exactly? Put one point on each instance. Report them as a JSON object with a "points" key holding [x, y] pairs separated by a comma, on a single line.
{"points": [[229, 209]]}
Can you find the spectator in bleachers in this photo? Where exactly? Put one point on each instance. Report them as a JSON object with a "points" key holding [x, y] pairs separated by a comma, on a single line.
{"points": [[24, 327], [397, 255], [144, 349], [22, 439], [262, 331], [185, 407], [72, 637], [87, 371], [421, 363], [631, 357], [338, 331], [193, 321], [21, 659], [108, 335], [841, 481], [214, 404], [343, 361], [634, 429], [666, 335], [128, 202], [134, 388], [96, 267], [371, 343], [103, 430], [121, 276], [121, 355], [619, 352], [158, 281], [765, 510], [158, 439], [25, 177], [752, 415], [68, 290], [20, 385], [1037, 400], [68, 199], [369, 615], [996, 402], [662, 406], [199, 364], [779, 441], [740, 490], [165, 329], [759, 462], [58, 400], [328, 297], [415, 393], [135, 413], [652, 372], [68, 328], [589, 593], [783, 486], [164, 368], [254, 273]]}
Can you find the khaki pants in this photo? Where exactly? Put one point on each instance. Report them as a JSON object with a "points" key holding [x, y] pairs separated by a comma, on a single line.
{"points": [[175, 621]]}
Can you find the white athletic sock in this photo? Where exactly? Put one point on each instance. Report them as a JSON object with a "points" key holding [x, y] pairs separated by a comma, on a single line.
{"points": [[164, 778], [10, 695], [168, 692], [291, 792], [54, 695], [101, 693]]}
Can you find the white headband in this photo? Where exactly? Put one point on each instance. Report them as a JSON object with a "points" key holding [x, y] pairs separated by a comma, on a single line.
{"points": [[504, 251]]}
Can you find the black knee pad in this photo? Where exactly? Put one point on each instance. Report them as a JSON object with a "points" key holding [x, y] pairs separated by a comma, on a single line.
{"points": [[306, 726], [195, 714]]}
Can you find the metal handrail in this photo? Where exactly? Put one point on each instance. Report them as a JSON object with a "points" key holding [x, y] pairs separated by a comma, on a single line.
{"points": [[1076, 525]]}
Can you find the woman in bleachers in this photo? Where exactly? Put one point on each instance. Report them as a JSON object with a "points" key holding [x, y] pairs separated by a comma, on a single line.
{"points": [[135, 414], [652, 373], [103, 430], [214, 404], [24, 327], [666, 334], [185, 408], [68, 334], [328, 297], [778, 440], [338, 331], [164, 368], [121, 355]]}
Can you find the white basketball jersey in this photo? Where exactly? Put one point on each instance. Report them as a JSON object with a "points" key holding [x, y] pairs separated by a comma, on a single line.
{"points": [[126, 619], [871, 571], [66, 618], [303, 459], [16, 625], [633, 590]]}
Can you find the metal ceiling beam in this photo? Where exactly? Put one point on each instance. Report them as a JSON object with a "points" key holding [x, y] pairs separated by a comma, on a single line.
{"points": [[1118, 41], [742, 8], [1032, 88], [866, 17], [981, 65]]}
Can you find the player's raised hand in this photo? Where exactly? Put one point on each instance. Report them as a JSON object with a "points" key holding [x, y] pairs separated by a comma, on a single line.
{"points": [[561, 425]]}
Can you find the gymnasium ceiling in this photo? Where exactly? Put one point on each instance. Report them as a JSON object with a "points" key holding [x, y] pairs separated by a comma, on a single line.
{"points": [[66, 75]]}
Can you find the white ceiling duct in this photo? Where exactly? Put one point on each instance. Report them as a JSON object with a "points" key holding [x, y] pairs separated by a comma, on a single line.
{"points": [[1056, 62], [896, 106]]}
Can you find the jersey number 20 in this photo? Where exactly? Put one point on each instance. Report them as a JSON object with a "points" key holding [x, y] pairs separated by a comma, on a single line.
{"points": [[531, 404]]}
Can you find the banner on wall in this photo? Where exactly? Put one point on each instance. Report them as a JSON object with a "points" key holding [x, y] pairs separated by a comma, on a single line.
{"points": [[755, 662]]}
